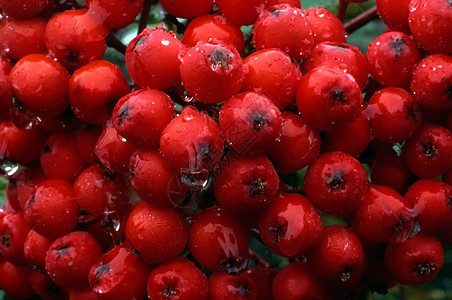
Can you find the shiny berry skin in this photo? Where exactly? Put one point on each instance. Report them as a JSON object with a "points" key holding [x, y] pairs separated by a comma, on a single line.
{"points": [[94, 88], [246, 184], [70, 258], [14, 280], [187, 9], [383, 216], [116, 14], [394, 14], [177, 279], [154, 180], [141, 116], [327, 27], [112, 151], [13, 231], [153, 58], [338, 256], [430, 22], [209, 28], [76, 37], [240, 12], [83, 294], [393, 115], [40, 84], [297, 42], [86, 140], [5, 89], [416, 261], [158, 234], [22, 146], [335, 182], [51, 209], [219, 241], [273, 73], [212, 72], [263, 277], [19, 38], [119, 274], [352, 140], [250, 123], [61, 150], [192, 141], [347, 57], [428, 152], [96, 193], [23, 9], [295, 281], [297, 146], [290, 226], [431, 83], [35, 249], [45, 287], [329, 99], [432, 203], [225, 287], [392, 58]]}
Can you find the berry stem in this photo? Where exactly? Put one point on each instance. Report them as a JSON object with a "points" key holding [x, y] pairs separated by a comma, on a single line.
{"points": [[342, 10], [361, 20], [172, 20], [144, 15], [113, 42], [258, 259]]}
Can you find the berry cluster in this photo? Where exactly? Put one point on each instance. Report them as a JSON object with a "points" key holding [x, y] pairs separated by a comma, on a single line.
{"points": [[150, 182]]}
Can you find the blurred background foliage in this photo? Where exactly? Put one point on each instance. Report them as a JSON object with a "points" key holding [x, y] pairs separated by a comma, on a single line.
{"points": [[441, 287]]}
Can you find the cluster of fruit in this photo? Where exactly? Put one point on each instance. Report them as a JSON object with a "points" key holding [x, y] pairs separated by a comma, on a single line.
{"points": [[152, 187]]}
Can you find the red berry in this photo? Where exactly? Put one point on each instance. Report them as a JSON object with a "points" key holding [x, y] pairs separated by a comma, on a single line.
{"points": [[116, 14], [157, 234], [394, 14], [5, 89], [13, 231], [335, 182], [45, 287], [35, 249], [227, 287], [187, 8], [212, 72], [14, 280], [327, 27], [240, 12], [290, 226], [23, 9]]}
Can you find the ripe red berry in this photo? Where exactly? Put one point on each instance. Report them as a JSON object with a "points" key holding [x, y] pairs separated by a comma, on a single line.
{"points": [[227, 287], [335, 182], [188, 9], [329, 99], [45, 287], [295, 281], [212, 72], [290, 226], [116, 14], [70, 258], [394, 14], [153, 58], [13, 232], [94, 88], [327, 27], [219, 241], [141, 116], [383, 216], [23, 9], [250, 123], [297, 146], [208, 28], [119, 274], [158, 234], [178, 278], [40, 84], [285, 27], [35, 249], [240, 12], [5, 89], [14, 280], [393, 115], [273, 73], [51, 209], [76, 37], [416, 261]]}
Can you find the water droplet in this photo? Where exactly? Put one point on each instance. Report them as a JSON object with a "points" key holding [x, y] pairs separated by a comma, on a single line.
{"points": [[194, 179]]}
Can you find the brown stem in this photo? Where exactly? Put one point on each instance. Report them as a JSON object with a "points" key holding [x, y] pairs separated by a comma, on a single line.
{"points": [[113, 41], [342, 10], [258, 259], [144, 15], [361, 20], [170, 19]]}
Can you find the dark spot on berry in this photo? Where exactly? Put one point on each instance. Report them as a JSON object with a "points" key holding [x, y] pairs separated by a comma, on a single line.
{"points": [[449, 200], [204, 153], [6, 240], [123, 114], [168, 292], [426, 268], [279, 230], [259, 121], [46, 148], [336, 181], [135, 252], [219, 59], [257, 187], [397, 46], [338, 96], [234, 265], [243, 290], [345, 275], [100, 271], [412, 114], [139, 42], [62, 251], [30, 201], [398, 229], [430, 150], [276, 12]]}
